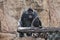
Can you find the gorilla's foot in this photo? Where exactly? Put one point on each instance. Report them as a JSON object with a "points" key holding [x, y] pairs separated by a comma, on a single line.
{"points": [[29, 34], [21, 34]]}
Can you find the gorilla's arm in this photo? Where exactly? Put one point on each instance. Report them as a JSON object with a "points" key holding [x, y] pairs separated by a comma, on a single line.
{"points": [[22, 19], [37, 23], [40, 24]]}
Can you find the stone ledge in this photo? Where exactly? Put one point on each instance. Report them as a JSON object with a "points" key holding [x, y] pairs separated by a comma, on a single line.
{"points": [[9, 36]]}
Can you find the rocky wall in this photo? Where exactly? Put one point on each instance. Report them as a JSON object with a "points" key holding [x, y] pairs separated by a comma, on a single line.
{"points": [[11, 11]]}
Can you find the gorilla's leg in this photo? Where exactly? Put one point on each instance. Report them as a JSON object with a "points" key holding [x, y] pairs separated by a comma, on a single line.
{"points": [[21, 34], [29, 34]]}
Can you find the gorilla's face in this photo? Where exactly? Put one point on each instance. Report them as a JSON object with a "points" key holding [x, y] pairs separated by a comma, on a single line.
{"points": [[30, 16]]}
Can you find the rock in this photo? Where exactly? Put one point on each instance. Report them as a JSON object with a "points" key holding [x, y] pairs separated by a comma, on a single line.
{"points": [[40, 39], [1, 13], [25, 38], [54, 12], [7, 36], [8, 24]]}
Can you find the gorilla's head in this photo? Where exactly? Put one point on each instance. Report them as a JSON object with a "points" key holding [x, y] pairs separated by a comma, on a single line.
{"points": [[30, 10]]}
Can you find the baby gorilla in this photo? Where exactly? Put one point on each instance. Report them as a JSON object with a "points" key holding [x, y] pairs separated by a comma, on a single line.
{"points": [[27, 18]]}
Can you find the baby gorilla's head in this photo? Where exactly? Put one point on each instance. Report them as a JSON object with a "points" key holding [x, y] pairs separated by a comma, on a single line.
{"points": [[30, 10]]}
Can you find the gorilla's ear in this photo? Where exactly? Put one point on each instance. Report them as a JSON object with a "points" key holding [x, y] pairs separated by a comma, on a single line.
{"points": [[30, 10]]}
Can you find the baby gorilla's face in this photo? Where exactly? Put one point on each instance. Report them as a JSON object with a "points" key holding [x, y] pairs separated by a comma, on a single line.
{"points": [[30, 16]]}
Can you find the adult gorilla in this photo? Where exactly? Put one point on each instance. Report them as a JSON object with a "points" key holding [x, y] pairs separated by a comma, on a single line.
{"points": [[27, 18]]}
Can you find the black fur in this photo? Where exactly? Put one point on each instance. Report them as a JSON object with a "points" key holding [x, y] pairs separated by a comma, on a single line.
{"points": [[27, 18]]}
